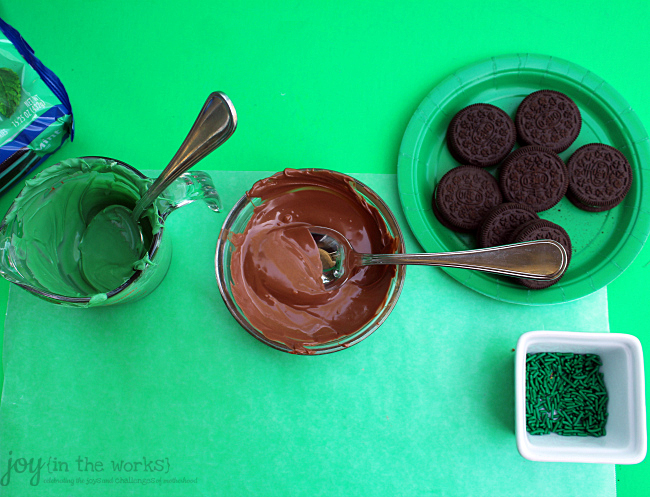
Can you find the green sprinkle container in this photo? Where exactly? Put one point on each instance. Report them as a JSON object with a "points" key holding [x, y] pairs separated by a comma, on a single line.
{"points": [[612, 430]]}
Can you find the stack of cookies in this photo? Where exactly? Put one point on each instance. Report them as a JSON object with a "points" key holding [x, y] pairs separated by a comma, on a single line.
{"points": [[531, 179]]}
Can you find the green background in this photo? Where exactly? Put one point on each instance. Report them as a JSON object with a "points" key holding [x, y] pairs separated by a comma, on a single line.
{"points": [[332, 86]]}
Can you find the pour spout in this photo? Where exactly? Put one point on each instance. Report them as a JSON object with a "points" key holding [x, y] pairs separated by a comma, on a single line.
{"points": [[188, 188]]}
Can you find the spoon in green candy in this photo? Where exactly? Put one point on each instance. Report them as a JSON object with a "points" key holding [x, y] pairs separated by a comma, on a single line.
{"points": [[112, 242]]}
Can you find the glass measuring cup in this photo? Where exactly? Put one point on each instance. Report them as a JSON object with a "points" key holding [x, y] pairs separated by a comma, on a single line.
{"points": [[39, 236]]}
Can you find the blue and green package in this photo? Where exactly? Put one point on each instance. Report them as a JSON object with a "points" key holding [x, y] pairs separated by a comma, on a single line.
{"points": [[35, 112]]}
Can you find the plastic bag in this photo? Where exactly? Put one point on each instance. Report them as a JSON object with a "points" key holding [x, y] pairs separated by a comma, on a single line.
{"points": [[35, 112]]}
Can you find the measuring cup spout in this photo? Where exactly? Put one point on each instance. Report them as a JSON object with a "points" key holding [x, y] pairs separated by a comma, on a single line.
{"points": [[189, 187]]}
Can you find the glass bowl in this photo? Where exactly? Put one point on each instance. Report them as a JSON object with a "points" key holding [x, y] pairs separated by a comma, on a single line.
{"points": [[236, 222]]}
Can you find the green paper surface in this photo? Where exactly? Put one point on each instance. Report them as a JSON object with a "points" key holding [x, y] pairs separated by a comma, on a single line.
{"points": [[188, 403]]}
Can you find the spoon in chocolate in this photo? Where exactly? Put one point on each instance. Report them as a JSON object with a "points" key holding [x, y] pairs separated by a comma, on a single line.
{"points": [[544, 260], [113, 241]]}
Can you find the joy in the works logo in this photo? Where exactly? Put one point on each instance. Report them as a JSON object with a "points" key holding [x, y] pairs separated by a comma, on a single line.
{"points": [[36, 468], [20, 465]]}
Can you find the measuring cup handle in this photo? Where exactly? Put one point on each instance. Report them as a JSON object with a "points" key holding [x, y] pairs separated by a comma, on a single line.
{"points": [[190, 186], [214, 125]]}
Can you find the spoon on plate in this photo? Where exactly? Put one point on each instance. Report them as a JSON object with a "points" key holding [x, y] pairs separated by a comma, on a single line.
{"points": [[544, 260], [113, 241]]}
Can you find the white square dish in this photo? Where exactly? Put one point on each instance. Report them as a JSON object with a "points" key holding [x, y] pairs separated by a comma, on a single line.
{"points": [[626, 438]]}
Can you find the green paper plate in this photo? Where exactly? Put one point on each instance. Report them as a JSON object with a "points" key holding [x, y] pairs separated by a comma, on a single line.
{"points": [[604, 244]]}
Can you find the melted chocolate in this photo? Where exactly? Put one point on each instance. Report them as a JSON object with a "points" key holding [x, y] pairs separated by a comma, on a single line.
{"points": [[276, 268]]}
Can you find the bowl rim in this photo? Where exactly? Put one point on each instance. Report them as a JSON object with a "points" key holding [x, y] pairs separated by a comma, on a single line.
{"points": [[604, 454], [331, 347]]}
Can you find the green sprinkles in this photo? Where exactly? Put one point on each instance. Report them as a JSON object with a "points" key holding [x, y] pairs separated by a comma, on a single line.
{"points": [[565, 394]]}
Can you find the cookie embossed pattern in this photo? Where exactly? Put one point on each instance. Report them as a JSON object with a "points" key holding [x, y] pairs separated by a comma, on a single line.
{"points": [[501, 223], [549, 119], [535, 176], [604, 243], [464, 196], [481, 135], [600, 177]]}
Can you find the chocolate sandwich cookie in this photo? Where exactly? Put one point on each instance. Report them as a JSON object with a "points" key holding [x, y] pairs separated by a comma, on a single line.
{"points": [[535, 176], [542, 229], [441, 219], [501, 223], [463, 197], [599, 177], [549, 119], [481, 135]]}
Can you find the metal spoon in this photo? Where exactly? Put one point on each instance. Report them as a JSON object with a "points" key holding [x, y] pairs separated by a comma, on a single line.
{"points": [[214, 125], [539, 260]]}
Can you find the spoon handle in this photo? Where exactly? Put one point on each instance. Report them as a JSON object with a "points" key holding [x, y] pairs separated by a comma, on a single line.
{"points": [[539, 260], [214, 125]]}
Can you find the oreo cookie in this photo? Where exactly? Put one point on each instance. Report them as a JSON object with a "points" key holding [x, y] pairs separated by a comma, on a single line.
{"points": [[481, 135], [463, 197], [548, 118], [542, 229], [535, 176], [501, 223], [599, 177], [441, 219]]}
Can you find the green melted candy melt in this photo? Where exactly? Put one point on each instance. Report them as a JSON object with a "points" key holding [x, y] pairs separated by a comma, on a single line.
{"points": [[45, 227], [110, 248]]}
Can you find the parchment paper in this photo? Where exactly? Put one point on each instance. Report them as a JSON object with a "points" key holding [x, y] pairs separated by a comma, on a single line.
{"points": [[168, 396]]}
